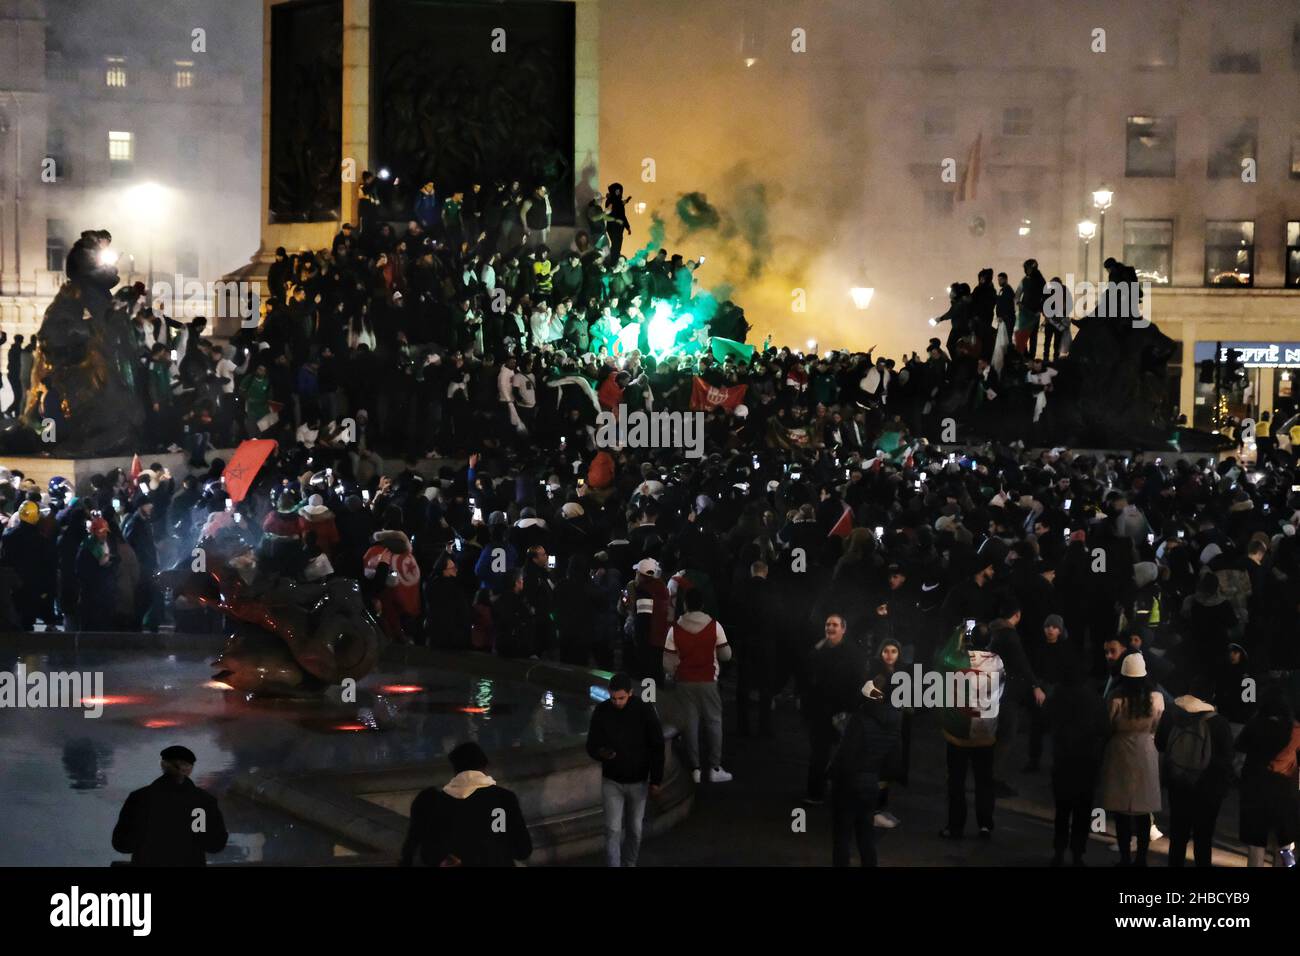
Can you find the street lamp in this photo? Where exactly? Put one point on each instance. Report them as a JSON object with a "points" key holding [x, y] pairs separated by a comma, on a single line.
{"points": [[862, 296], [1087, 231], [150, 201], [1101, 200]]}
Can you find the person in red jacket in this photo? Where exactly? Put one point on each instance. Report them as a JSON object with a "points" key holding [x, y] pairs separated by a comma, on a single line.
{"points": [[318, 522], [399, 601], [649, 604], [693, 650]]}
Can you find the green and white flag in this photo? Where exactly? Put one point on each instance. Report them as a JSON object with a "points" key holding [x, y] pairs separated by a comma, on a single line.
{"points": [[722, 349], [972, 691]]}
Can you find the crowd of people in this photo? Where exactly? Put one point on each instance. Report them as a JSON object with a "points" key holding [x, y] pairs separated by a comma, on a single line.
{"points": [[1144, 607]]}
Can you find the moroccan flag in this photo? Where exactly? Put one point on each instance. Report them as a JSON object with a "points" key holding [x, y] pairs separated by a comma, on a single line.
{"points": [[706, 397], [244, 465], [844, 525], [970, 176], [972, 690], [136, 469], [724, 348]]}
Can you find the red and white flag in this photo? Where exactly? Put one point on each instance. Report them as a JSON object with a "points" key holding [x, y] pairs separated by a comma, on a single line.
{"points": [[844, 525], [706, 397], [970, 176]]}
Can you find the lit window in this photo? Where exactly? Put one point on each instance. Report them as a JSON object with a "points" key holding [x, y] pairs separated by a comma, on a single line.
{"points": [[121, 146], [115, 72], [1149, 249], [184, 74]]}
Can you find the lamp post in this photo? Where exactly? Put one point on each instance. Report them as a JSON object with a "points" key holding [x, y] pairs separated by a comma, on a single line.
{"points": [[862, 296], [1087, 230], [1101, 200], [149, 201]]}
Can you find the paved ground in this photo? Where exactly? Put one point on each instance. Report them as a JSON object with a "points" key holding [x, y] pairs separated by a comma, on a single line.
{"points": [[748, 822]]}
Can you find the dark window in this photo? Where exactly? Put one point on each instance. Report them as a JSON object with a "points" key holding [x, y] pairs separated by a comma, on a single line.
{"points": [[940, 121], [1232, 50], [56, 244], [1017, 121], [1149, 248], [1150, 146], [1157, 48], [938, 203], [56, 148], [1230, 253], [1234, 144]]}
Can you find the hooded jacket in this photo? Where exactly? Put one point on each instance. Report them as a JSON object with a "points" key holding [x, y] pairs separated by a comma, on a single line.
{"points": [[1215, 781], [459, 825]]}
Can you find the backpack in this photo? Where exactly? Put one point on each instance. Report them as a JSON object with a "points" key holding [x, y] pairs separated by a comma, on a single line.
{"points": [[1189, 750]]}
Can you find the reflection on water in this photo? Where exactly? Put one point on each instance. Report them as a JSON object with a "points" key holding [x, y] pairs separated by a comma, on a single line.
{"points": [[63, 777], [87, 763]]}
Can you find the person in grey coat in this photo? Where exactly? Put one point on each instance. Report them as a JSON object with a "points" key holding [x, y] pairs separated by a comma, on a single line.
{"points": [[1130, 768]]}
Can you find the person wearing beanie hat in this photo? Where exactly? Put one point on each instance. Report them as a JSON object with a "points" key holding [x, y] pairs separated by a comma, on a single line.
{"points": [[319, 527], [29, 512], [31, 555], [1211, 623], [1130, 770], [284, 523], [159, 824], [461, 824]]}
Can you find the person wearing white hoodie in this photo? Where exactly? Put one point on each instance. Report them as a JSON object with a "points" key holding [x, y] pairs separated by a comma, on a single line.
{"points": [[469, 822], [693, 650]]}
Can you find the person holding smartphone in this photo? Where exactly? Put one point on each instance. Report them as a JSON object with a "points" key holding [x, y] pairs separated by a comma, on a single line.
{"points": [[626, 737]]}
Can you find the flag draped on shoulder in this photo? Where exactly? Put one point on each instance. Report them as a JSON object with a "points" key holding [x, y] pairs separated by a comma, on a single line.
{"points": [[706, 397], [972, 691]]}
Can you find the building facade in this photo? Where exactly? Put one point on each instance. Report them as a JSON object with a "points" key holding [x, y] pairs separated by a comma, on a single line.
{"points": [[103, 124]]}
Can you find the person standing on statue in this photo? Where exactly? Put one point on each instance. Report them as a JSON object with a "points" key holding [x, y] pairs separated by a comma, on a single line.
{"points": [[616, 223], [1029, 303], [16, 382]]}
